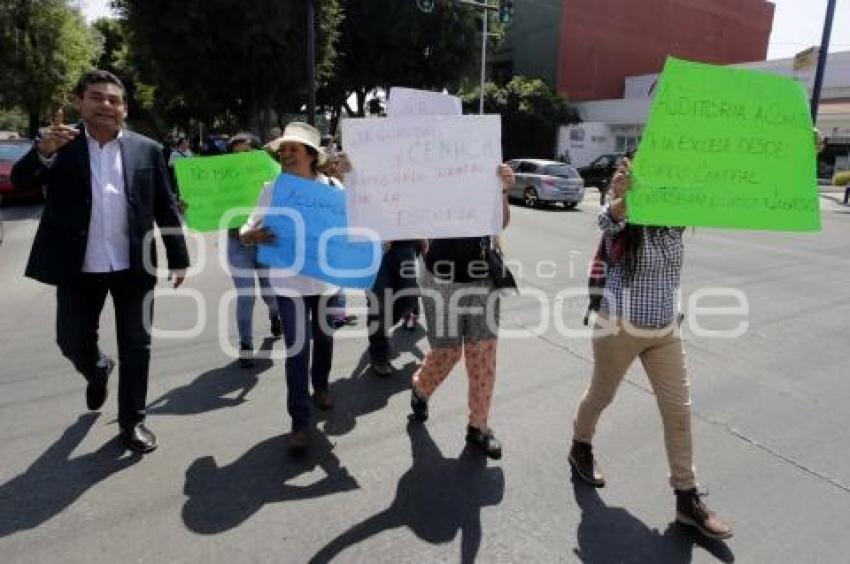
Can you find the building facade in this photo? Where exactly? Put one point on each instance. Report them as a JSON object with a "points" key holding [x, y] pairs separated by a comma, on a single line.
{"points": [[589, 50], [604, 41], [611, 126]]}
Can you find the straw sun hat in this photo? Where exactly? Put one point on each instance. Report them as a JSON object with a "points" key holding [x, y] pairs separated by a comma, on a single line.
{"points": [[300, 132]]}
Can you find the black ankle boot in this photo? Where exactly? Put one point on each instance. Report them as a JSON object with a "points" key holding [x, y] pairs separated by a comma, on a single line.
{"points": [[418, 405], [484, 440], [584, 465]]}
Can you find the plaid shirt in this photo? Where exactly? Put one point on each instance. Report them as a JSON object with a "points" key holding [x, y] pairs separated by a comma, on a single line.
{"points": [[650, 299]]}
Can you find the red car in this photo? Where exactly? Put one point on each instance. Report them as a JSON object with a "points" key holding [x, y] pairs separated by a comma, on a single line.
{"points": [[10, 151]]}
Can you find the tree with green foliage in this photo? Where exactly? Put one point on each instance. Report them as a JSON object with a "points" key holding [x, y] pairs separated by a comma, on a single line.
{"points": [[385, 44], [226, 62], [44, 47], [532, 111], [142, 110]]}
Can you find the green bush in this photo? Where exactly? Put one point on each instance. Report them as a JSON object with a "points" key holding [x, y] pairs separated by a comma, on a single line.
{"points": [[531, 113], [841, 178]]}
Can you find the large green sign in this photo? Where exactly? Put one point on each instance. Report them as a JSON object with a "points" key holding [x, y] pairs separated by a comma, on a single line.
{"points": [[726, 147], [214, 185]]}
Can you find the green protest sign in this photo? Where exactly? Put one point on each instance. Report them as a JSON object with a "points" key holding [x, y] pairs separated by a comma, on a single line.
{"points": [[214, 185], [726, 147]]}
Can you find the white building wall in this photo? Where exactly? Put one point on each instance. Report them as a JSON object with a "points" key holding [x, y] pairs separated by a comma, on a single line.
{"points": [[583, 142], [604, 121]]}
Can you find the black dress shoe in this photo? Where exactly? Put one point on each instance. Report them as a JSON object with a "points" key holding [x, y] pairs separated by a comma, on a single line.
{"points": [[98, 387], [139, 438], [485, 441]]}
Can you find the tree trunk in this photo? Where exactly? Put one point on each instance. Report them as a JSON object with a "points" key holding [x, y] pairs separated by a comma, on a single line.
{"points": [[361, 103], [33, 123]]}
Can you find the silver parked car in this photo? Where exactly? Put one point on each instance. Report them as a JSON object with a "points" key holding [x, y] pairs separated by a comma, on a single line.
{"points": [[546, 182]]}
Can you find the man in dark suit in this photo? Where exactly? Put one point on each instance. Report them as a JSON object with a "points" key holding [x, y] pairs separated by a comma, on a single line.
{"points": [[105, 187]]}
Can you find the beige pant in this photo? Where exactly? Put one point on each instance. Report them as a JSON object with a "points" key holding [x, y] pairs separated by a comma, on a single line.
{"points": [[663, 358]]}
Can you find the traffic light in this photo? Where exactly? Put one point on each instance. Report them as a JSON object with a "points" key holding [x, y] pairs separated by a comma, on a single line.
{"points": [[426, 6], [506, 11]]}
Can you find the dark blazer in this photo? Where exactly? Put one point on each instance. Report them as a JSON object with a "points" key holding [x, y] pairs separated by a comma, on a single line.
{"points": [[60, 242]]}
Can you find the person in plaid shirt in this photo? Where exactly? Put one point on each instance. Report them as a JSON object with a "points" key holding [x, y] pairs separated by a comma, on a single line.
{"points": [[638, 319]]}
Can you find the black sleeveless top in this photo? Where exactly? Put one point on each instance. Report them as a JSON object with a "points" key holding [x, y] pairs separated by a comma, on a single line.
{"points": [[456, 260]]}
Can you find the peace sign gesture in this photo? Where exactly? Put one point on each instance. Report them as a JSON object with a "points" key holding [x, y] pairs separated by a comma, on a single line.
{"points": [[58, 135]]}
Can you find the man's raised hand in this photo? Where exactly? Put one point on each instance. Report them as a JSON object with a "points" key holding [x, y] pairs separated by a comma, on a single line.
{"points": [[58, 135]]}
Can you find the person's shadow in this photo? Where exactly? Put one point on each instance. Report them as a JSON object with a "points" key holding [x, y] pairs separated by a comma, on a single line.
{"points": [[612, 534], [55, 481], [213, 389], [363, 392], [222, 497], [435, 499], [360, 394], [402, 340]]}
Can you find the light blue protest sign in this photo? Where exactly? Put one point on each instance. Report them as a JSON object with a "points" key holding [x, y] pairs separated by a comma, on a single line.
{"points": [[312, 237]]}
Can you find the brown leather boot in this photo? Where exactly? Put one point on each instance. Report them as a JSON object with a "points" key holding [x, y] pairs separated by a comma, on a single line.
{"points": [[691, 510], [583, 463]]}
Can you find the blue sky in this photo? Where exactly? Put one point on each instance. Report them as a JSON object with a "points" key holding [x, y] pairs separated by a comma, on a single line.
{"points": [[797, 24]]}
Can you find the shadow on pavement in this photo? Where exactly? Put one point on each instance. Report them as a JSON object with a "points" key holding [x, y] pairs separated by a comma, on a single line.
{"points": [[402, 341], [210, 390], [435, 499], [20, 211], [222, 497], [612, 534], [557, 207], [55, 481], [364, 392], [360, 395]]}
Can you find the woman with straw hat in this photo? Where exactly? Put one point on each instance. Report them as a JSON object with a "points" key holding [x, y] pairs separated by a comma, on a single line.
{"points": [[302, 300]]}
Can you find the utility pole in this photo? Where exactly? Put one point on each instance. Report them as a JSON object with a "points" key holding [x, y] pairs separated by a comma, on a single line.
{"points": [[311, 62], [505, 9], [485, 16], [824, 48]]}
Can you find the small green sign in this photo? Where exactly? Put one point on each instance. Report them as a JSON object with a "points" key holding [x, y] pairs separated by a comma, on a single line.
{"points": [[214, 185], [726, 147]]}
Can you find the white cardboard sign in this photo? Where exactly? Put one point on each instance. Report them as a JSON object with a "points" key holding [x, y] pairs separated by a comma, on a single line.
{"points": [[412, 102], [424, 177]]}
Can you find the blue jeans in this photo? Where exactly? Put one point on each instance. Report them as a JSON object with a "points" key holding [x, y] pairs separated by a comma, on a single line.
{"points": [[244, 268], [304, 321]]}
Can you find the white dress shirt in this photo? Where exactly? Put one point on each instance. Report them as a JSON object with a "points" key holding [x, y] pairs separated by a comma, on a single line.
{"points": [[108, 247], [108, 242]]}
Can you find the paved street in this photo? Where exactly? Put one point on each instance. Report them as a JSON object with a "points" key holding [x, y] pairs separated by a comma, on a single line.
{"points": [[770, 427]]}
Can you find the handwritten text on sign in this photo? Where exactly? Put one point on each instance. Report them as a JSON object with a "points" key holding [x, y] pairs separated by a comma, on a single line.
{"points": [[312, 236], [424, 177], [726, 147], [214, 185]]}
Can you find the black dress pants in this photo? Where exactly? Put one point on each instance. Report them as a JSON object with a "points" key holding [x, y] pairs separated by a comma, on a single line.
{"points": [[395, 274], [78, 307]]}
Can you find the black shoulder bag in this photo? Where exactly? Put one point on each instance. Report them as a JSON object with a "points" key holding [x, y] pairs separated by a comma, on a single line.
{"points": [[500, 274]]}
